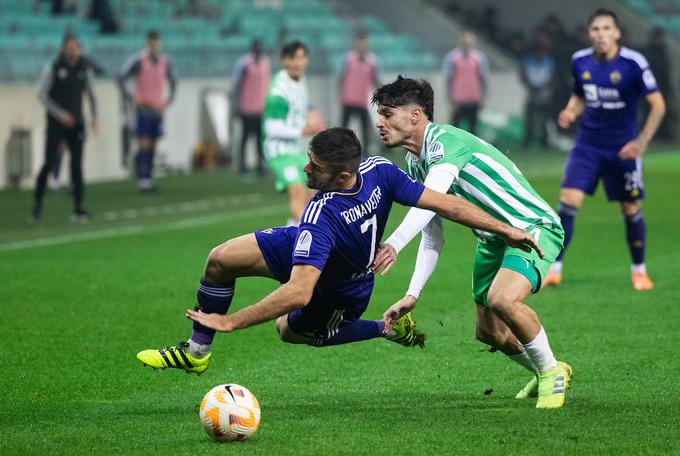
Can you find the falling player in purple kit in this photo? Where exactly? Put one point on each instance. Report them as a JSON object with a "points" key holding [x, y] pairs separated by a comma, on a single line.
{"points": [[324, 266], [608, 81]]}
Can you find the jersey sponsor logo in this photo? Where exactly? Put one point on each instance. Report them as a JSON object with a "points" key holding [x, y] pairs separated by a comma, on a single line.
{"points": [[268, 231], [357, 212], [435, 151], [304, 244], [649, 79], [590, 92], [586, 76], [615, 77], [608, 93]]}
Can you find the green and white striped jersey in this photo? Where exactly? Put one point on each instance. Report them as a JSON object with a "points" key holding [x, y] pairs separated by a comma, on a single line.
{"points": [[485, 177], [286, 101]]}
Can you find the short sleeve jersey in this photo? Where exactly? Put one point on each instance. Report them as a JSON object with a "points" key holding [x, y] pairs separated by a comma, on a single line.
{"points": [[610, 91], [286, 100], [340, 231], [484, 176]]}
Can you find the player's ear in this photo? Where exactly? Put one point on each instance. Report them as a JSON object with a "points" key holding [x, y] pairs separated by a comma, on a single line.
{"points": [[343, 176], [416, 114]]}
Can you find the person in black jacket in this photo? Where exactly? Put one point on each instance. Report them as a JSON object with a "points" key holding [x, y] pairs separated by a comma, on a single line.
{"points": [[61, 90]]}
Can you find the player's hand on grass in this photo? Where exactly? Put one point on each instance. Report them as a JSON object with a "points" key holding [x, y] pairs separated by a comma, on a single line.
{"points": [[384, 259], [632, 149], [398, 309], [214, 321], [566, 118], [522, 240]]}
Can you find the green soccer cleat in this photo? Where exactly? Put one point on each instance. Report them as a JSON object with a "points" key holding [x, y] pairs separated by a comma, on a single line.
{"points": [[175, 357], [552, 386], [405, 333], [531, 388]]}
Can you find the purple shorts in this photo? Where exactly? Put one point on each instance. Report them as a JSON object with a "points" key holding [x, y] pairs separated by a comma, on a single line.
{"points": [[587, 164], [148, 125], [335, 303]]}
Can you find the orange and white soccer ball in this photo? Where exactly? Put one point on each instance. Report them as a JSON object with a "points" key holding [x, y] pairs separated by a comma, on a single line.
{"points": [[230, 412]]}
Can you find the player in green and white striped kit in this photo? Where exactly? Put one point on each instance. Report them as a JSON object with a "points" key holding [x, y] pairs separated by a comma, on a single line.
{"points": [[451, 160], [286, 121]]}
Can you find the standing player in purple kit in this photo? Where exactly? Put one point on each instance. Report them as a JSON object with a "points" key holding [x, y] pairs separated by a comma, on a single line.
{"points": [[324, 266], [608, 81]]}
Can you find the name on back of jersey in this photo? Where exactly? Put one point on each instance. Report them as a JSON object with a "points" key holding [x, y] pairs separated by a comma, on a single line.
{"points": [[357, 212]]}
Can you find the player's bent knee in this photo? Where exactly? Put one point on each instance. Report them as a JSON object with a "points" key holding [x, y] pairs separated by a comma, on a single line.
{"points": [[630, 210], [287, 335], [502, 301], [216, 266]]}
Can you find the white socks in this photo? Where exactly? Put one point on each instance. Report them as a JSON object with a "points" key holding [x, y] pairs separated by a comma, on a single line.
{"points": [[197, 350], [538, 350], [556, 267], [638, 268], [523, 360], [292, 222]]}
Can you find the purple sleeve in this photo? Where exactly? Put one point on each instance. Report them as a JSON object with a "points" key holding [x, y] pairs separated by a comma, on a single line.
{"points": [[576, 86], [405, 189], [647, 82], [314, 243]]}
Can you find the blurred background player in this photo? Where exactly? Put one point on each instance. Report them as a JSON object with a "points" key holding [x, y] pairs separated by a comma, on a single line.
{"points": [[61, 89], [466, 70], [358, 79], [151, 70], [608, 81], [286, 121], [537, 74], [251, 78], [450, 160]]}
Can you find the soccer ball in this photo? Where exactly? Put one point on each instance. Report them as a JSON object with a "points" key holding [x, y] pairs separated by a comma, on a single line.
{"points": [[230, 412]]}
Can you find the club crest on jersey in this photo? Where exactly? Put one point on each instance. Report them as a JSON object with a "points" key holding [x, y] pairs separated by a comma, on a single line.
{"points": [[435, 151], [586, 76], [304, 244], [615, 77]]}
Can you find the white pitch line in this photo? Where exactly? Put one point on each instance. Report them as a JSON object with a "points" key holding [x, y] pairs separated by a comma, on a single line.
{"points": [[143, 229]]}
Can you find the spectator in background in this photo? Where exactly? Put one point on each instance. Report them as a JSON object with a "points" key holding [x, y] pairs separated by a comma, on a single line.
{"points": [[656, 52], [358, 79], [151, 70], [102, 12], [61, 89], [251, 78], [537, 71], [465, 72], [198, 8]]}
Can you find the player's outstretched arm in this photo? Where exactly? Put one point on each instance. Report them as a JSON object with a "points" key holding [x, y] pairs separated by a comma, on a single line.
{"points": [[294, 294], [462, 211]]}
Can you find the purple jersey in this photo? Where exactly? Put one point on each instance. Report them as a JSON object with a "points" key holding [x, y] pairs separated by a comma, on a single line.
{"points": [[611, 91], [340, 231]]}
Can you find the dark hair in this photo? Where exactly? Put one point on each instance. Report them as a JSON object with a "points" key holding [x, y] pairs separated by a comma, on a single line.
{"points": [[290, 49], [152, 35], [405, 91], [600, 12], [68, 36], [339, 148]]}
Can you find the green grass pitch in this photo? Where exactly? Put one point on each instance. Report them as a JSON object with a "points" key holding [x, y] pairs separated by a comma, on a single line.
{"points": [[79, 301]]}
